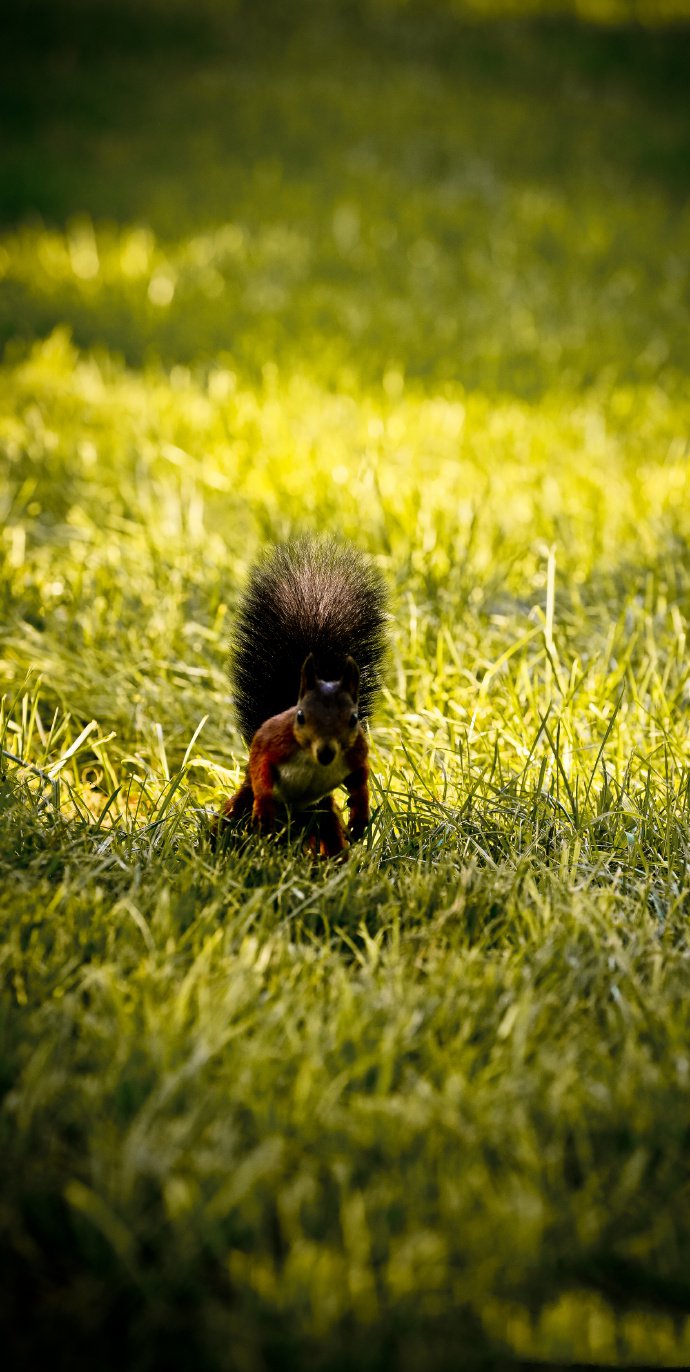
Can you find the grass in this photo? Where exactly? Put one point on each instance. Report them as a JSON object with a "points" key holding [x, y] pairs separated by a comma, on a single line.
{"points": [[421, 280]]}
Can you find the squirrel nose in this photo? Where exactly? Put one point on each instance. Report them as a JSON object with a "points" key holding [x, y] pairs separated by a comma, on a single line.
{"points": [[325, 754]]}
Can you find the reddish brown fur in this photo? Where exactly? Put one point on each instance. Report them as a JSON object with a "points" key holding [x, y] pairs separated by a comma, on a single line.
{"points": [[325, 715]]}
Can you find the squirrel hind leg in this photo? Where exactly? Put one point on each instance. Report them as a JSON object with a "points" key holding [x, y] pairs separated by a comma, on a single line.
{"points": [[237, 808], [239, 805]]}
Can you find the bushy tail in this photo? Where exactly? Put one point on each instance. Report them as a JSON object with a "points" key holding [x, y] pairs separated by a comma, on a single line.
{"points": [[311, 596]]}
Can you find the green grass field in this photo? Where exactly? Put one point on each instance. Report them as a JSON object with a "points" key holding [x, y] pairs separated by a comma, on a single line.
{"points": [[420, 278]]}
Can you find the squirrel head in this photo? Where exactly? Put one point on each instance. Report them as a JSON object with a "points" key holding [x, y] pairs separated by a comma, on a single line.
{"points": [[326, 719]]}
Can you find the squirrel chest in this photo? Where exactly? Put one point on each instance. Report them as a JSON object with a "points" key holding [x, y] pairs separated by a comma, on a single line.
{"points": [[302, 781]]}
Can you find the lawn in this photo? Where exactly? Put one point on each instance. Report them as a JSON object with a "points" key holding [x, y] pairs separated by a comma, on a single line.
{"points": [[416, 275]]}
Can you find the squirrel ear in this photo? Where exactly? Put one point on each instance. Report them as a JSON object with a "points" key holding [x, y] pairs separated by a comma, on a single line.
{"points": [[308, 677], [350, 678]]}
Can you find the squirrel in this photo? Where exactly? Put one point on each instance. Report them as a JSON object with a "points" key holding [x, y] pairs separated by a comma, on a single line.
{"points": [[305, 663]]}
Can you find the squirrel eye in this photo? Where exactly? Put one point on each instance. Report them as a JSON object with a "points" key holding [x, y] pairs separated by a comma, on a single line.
{"points": [[354, 717], [300, 716]]}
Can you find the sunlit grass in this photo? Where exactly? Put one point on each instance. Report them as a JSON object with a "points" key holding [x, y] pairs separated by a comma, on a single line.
{"points": [[423, 286]]}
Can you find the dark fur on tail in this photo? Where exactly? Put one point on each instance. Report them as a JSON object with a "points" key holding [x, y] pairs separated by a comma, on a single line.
{"points": [[311, 596]]}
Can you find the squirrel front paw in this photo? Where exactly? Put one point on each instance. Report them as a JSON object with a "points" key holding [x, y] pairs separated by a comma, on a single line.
{"points": [[357, 827]]}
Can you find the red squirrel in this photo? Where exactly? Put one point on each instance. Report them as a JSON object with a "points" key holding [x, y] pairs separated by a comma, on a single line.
{"points": [[308, 644]]}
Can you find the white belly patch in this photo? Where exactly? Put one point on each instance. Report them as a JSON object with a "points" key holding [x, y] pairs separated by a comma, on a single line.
{"points": [[302, 781]]}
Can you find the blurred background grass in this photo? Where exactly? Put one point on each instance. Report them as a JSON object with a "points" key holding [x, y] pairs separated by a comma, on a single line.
{"points": [[333, 186], [417, 273]]}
